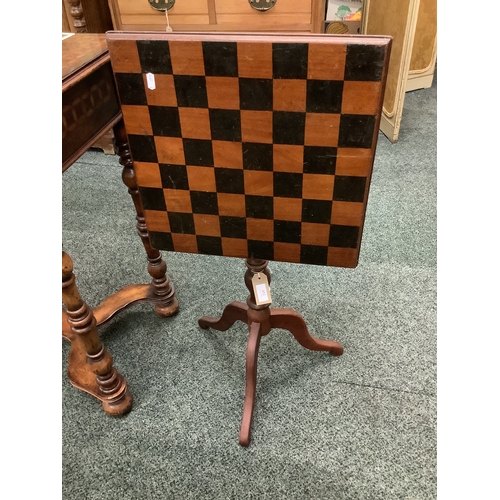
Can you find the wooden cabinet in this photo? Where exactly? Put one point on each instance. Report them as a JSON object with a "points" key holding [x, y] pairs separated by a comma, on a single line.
{"points": [[89, 16], [424, 51], [219, 15], [86, 16], [413, 27]]}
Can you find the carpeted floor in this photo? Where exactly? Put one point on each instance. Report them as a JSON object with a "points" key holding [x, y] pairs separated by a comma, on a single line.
{"points": [[360, 426]]}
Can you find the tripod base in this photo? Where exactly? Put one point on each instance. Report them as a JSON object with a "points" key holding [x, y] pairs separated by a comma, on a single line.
{"points": [[260, 321]]}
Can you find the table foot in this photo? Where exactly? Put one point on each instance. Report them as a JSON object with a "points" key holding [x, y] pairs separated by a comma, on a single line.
{"points": [[112, 389], [167, 310]]}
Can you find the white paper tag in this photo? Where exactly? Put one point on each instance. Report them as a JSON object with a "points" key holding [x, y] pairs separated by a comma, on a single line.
{"points": [[151, 81], [262, 293], [261, 289]]}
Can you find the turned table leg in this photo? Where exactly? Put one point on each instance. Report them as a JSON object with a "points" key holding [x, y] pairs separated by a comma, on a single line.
{"points": [[90, 364], [166, 304]]}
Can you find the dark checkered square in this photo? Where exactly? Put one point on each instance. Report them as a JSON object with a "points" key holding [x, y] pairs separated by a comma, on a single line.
{"points": [[220, 58], [349, 188], [290, 60], [174, 176], [142, 148], [259, 207], [210, 245], [319, 211], [154, 56], [233, 227], [356, 131], [257, 156], [165, 121], [198, 152], [363, 63], [287, 185], [256, 94], [153, 198], [229, 180], [343, 236], [162, 240], [181, 223], [260, 249], [313, 254], [287, 231], [191, 91], [131, 88], [288, 127], [204, 202], [324, 96], [225, 124], [320, 160]]}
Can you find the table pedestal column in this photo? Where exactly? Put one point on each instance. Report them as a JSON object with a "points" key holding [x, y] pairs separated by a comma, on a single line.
{"points": [[261, 319]]}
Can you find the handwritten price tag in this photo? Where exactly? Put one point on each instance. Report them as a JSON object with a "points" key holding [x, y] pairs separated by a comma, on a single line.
{"points": [[261, 289]]}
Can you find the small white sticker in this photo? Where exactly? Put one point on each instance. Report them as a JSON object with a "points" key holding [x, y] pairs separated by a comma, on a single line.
{"points": [[151, 81], [262, 293]]}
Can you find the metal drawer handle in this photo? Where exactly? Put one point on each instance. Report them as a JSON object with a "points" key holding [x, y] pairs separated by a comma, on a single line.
{"points": [[262, 4], [162, 5]]}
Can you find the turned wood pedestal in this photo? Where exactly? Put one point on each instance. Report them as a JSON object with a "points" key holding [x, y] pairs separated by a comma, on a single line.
{"points": [[261, 319]]}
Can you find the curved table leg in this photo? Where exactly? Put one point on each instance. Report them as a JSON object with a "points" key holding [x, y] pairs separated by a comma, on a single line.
{"points": [[291, 320], [251, 382], [235, 311]]}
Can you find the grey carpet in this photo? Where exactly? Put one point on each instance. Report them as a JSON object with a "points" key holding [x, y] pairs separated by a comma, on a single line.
{"points": [[360, 426]]}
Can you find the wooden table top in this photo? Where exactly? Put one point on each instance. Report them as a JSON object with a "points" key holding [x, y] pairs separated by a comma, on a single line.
{"points": [[81, 49]]}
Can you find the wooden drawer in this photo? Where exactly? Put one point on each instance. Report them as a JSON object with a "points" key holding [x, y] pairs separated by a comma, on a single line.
{"points": [[285, 15], [139, 15], [220, 15]]}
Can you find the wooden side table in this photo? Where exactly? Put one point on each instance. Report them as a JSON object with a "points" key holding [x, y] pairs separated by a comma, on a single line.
{"points": [[255, 146], [89, 109]]}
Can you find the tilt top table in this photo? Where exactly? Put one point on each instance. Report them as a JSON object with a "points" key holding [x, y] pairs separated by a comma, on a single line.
{"points": [[256, 146], [90, 108]]}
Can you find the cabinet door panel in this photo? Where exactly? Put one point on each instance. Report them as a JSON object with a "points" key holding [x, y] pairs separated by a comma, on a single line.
{"points": [[423, 57], [397, 18]]}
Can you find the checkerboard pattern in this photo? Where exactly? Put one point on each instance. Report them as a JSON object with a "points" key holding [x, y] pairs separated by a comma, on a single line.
{"points": [[253, 146]]}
